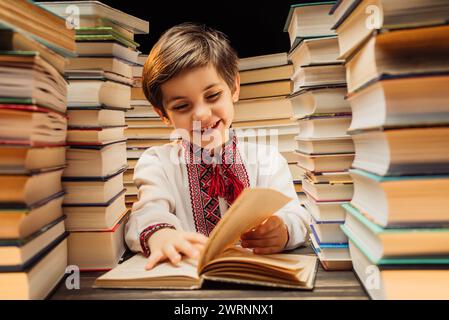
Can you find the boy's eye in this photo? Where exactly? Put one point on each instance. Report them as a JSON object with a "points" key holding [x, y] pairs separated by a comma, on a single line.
{"points": [[180, 107], [215, 95]]}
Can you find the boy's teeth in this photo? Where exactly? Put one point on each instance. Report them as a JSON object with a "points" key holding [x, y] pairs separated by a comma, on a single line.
{"points": [[209, 127]]}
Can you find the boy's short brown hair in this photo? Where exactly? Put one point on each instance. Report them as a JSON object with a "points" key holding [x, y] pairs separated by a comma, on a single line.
{"points": [[183, 47]]}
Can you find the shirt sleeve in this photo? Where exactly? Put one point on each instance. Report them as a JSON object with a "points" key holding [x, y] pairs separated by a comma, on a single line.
{"points": [[155, 208], [274, 173]]}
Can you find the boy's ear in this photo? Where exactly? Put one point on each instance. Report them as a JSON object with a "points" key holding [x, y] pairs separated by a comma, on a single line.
{"points": [[162, 116], [236, 93]]}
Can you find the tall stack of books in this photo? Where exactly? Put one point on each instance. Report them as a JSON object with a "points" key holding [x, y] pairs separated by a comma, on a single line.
{"points": [[145, 129], [263, 113], [398, 80], [33, 129], [324, 150], [100, 81]]}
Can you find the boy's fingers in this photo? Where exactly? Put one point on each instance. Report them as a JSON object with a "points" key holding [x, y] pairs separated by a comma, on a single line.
{"points": [[260, 236], [270, 224], [185, 247], [171, 253], [263, 229], [195, 237], [262, 243], [268, 250], [253, 235], [154, 258]]}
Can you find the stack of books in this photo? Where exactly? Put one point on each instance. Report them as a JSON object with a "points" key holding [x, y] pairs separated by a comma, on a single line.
{"points": [[145, 129], [398, 76], [33, 130], [324, 150], [263, 113], [99, 92]]}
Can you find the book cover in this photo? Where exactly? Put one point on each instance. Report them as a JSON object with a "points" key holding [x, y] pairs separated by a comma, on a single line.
{"points": [[376, 229], [102, 179], [94, 146], [292, 10], [105, 204], [387, 77], [348, 11], [26, 209], [121, 220], [38, 257], [107, 37], [327, 244], [380, 179], [24, 241], [30, 108]]}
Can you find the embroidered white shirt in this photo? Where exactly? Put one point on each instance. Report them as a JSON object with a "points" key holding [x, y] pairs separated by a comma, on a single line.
{"points": [[166, 195]]}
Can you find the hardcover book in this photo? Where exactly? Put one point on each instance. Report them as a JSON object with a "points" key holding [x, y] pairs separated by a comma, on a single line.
{"points": [[222, 260]]}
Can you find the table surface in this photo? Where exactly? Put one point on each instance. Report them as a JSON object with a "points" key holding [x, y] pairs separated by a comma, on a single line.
{"points": [[328, 285]]}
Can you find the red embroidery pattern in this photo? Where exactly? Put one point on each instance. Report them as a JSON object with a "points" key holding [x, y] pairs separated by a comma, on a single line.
{"points": [[148, 232], [233, 161], [206, 209]]}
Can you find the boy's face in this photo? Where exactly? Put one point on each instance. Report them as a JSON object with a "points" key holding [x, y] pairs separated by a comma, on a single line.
{"points": [[200, 102]]}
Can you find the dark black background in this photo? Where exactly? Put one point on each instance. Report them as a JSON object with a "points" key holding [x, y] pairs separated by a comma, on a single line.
{"points": [[254, 27]]}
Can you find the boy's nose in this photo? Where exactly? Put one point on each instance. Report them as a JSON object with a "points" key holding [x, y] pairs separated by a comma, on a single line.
{"points": [[201, 112]]}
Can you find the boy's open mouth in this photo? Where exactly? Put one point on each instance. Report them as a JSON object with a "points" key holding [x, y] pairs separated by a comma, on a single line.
{"points": [[210, 127]]}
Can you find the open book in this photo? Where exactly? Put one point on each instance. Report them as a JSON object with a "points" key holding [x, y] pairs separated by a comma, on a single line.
{"points": [[222, 259]]}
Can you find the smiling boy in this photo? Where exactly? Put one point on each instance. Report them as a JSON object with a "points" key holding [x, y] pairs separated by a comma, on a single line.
{"points": [[191, 78]]}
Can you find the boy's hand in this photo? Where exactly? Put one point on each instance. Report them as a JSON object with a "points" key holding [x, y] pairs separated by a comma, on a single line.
{"points": [[170, 244], [270, 236]]}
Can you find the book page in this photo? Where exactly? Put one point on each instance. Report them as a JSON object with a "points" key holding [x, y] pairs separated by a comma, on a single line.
{"points": [[134, 268], [285, 261], [250, 209]]}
